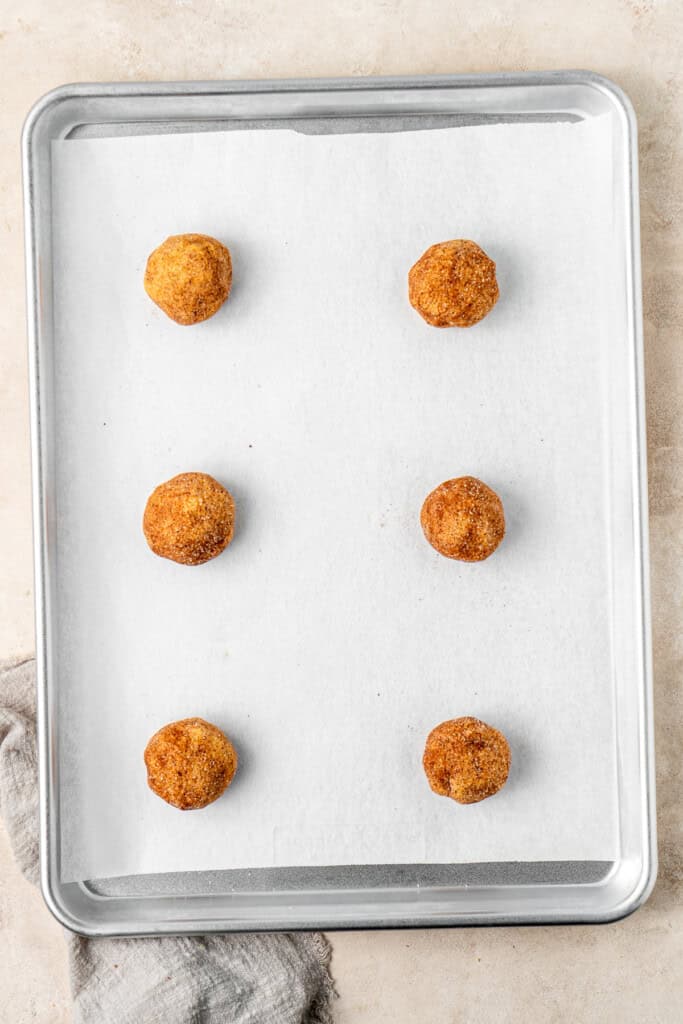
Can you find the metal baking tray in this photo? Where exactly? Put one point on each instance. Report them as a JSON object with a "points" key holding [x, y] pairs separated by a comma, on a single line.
{"points": [[375, 896]]}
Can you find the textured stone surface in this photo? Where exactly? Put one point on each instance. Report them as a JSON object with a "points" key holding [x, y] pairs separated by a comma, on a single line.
{"points": [[628, 972]]}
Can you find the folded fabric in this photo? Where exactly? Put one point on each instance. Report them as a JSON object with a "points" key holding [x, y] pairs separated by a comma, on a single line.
{"points": [[231, 979]]}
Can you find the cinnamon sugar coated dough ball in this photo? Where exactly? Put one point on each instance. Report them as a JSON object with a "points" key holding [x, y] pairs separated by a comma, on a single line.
{"points": [[189, 519], [463, 519], [466, 760], [189, 277], [453, 284], [190, 763]]}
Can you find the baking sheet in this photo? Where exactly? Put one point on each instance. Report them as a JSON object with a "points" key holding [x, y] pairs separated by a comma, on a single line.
{"points": [[330, 638]]}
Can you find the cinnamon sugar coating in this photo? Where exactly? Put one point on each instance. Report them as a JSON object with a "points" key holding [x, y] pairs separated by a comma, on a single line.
{"points": [[453, 284], [466, 760], [189, 519], [189, 277], [190, 763], [463, 519]]}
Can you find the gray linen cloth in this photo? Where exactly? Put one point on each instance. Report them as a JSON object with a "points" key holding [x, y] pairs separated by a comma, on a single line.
{"points": [[231, 979]]}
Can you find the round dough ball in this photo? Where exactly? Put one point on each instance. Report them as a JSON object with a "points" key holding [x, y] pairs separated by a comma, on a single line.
{"points": [[463, 519], [190, 763], [189, 277], [189, 519], [466, 759], [453, 284]]}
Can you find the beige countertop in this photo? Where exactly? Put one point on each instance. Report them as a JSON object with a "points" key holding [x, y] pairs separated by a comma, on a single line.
{"points": [[626, 972]]}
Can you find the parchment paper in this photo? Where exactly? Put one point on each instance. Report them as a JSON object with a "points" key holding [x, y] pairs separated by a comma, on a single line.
{"points": [[330, 638]]}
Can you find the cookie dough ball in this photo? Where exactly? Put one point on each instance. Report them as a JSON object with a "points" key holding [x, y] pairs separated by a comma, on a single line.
{"points": [[466, 760], [463, 519], [453, 284], [189, 277], [189, 519], [190, 763]]}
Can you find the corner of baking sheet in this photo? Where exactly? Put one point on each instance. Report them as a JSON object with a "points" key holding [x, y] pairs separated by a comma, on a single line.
{"points": [[50, 115], [614, 93]]}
